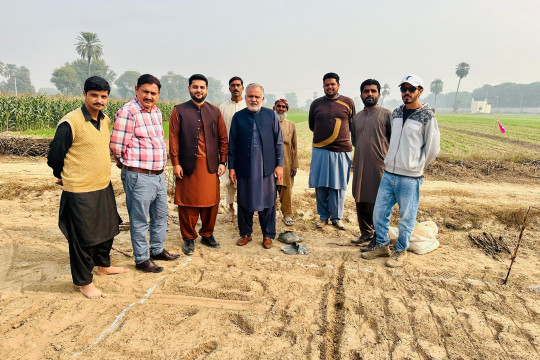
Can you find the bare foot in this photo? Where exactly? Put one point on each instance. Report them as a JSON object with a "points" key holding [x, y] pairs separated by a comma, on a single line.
{"points": [[230, 215], [111, 270], [92, 292]]}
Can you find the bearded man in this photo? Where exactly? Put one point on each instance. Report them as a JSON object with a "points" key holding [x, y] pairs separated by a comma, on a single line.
{"points": [[290, 160], [371, 129], [255, 156], [198, 149]]}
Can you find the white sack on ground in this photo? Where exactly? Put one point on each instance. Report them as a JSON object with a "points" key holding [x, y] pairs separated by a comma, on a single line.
{"points": [[423, 239]]}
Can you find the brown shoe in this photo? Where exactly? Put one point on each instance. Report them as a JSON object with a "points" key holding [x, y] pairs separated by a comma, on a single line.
{"points": [[322, 223], [243, 240], [165, 255], [148, 266], [267, 242]]}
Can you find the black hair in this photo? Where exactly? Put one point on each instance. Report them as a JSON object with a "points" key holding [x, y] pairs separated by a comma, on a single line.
{"points": [[331, 75], [236, 78], [148, 79], [198, 77], [370, 82], [96, 83]]}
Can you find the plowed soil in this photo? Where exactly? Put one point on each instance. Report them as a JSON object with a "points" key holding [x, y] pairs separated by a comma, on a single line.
{"points": [[252, 303]]}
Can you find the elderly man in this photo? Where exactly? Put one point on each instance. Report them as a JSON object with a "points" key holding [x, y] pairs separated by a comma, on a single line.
{"points": [[414, 144], [329, 119], [290, 160], [198, 125], [138, 145], [228, 109], [79, 157], [371, 129], [255, 156]]}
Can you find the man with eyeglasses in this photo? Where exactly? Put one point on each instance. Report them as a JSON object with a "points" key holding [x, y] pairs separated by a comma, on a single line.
{"points": [[370, 131], [228, 109], [414, 144]]}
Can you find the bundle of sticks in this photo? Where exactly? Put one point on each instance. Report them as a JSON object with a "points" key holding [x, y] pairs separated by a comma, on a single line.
{"points": [[490, 244], [23, 146]]}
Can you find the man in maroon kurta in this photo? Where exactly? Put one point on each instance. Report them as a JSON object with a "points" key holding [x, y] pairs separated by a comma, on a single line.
{"points": [[198, 148], [371, 129]]}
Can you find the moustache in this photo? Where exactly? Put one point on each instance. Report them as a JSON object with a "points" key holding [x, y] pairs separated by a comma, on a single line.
{"points": [[98, 104]]}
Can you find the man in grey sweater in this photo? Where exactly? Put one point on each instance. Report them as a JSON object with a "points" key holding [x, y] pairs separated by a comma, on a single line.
{"points": [[414, 144]]}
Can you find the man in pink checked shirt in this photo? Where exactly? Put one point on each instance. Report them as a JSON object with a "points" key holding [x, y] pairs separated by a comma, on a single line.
{"points": [[138, 145]]}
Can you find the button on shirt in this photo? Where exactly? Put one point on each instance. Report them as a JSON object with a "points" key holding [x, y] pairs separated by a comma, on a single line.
{"points": [[137, 137]]}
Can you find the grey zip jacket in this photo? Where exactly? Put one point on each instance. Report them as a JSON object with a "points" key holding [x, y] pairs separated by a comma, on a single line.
{"points": [[413, 145]]}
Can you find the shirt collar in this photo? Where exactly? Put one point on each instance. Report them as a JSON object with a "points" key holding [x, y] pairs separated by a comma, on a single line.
{"points": [[88, 117]]}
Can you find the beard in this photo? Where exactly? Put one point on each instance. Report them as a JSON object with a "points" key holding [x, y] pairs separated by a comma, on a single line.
{"points": [[253, 108], [197, 100], [370, 101], [281, 116]]}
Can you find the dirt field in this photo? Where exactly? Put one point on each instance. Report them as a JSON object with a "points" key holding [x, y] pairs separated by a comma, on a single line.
{"points": [[251, 303]]}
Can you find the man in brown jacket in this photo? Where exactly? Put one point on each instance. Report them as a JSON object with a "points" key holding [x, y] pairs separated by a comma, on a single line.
{"points": [[198, 148], [290, 160]]}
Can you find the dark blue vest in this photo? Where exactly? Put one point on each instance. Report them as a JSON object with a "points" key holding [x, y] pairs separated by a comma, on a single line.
{"points": [[242, 127]]}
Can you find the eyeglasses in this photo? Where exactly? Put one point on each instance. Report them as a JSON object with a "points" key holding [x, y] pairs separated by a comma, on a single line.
{"points": [[411, 89]]}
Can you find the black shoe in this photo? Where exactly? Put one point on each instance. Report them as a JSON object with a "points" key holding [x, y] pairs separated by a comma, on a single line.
{"points": [[210, 242], [369, 247], [189, 247], [148, 266], [165, 255], [363, 239]]}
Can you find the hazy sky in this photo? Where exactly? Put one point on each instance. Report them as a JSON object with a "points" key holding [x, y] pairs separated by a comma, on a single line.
{"points": [[284, 45]]}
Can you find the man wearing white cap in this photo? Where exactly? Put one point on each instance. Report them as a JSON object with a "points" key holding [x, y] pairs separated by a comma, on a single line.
{"points": [[414, 144]]}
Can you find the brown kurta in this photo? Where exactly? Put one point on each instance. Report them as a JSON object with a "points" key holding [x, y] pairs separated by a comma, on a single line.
{"points": [[200, 189], [290, 152], [371, 137]]}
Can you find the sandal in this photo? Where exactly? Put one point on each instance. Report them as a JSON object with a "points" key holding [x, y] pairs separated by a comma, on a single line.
{"points": [[287, 220]]}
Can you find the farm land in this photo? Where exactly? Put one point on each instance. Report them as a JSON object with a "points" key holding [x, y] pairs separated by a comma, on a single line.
{"points": [[251, 303]]}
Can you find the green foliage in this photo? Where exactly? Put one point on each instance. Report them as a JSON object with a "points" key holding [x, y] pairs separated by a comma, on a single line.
{"points": [[37, 112], [126, 83], [18, 79], [69, 79], [89, 47]]}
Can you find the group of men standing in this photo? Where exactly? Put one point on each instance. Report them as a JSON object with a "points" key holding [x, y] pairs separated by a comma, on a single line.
{"points": [[254, 151]]}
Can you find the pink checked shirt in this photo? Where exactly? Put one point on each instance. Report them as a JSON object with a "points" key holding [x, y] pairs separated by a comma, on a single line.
{"points": [[137, 137]]}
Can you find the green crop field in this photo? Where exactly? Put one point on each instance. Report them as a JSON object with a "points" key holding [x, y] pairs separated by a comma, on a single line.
{"points": [[463, 136]]}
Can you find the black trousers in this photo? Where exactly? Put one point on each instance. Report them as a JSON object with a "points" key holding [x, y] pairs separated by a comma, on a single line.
{"points": [[364, 213], [82, 259], [267, 219]]}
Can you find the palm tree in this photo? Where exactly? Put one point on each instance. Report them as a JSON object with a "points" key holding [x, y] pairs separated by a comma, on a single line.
{"points": [[11, 71], [385, 92], [436, 88], [462, 70], [89, 47]]}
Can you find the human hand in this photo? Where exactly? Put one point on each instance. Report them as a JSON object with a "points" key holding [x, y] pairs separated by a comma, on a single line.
{"points": [[232, 176], [178, 171], [279, 173], [221, 169]]}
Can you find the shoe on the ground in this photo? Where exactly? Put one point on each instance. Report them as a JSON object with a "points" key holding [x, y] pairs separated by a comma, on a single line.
{"points": [[397, 258], [363, 239], [339, 224], [369, 247], [210, 242], [288, 237], [148, 266], [322, 223], [267, 242], [378, 251], [189, 247], [165, 255], [244, 240]]}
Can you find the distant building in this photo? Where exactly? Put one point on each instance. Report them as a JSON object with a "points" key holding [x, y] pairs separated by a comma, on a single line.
{"points": [[480, 106]]}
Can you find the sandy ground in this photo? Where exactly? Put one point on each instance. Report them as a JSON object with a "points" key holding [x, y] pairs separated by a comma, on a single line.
{"points": [[251, 303]]}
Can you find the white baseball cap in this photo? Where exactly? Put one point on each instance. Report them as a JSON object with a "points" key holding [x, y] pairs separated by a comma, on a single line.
{"points": [[412, 79]]}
